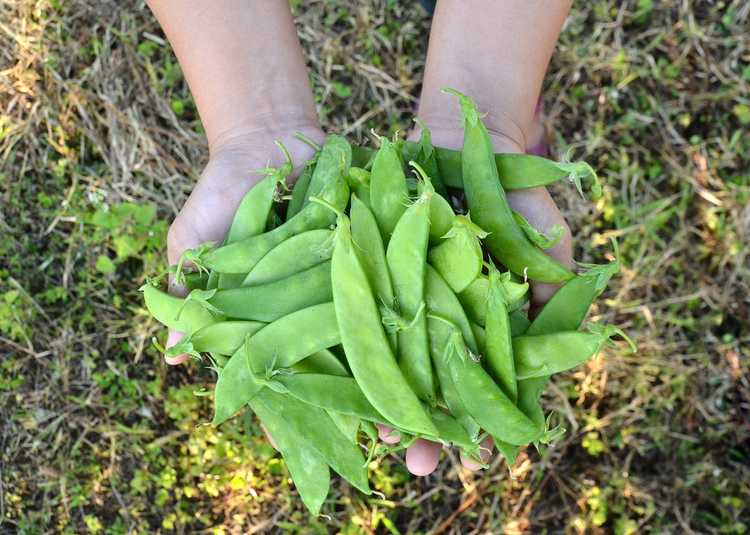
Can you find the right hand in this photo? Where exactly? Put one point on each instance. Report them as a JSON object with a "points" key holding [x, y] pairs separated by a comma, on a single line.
{"points": [[207, 214]]}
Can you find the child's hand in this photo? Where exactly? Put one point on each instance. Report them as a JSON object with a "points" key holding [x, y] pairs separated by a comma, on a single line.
{"points": [[208, 212]]}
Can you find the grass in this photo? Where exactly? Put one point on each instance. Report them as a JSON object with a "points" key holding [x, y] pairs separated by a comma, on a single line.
{"points": [[100, 144]]}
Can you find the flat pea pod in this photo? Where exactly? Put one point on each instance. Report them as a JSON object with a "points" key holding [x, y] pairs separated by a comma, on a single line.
{"points": [[224, 337], [543, 355], [365, 343], [388, 190], [314, 329], [242, 256], [299, 191], [565, 311], [341, 394], [307, 467], [348, 425], [484, 400], [359, 184], [291, 256], [174, 312], [489, 207], [458, 258], [323, 361], [269, 302], [406, 255], [334, 161], [313, 426]]}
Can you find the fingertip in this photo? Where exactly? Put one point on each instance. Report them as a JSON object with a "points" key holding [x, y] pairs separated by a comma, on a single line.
{"points": [[422, 457], [386, 434], [173, 337], [485, 454]]}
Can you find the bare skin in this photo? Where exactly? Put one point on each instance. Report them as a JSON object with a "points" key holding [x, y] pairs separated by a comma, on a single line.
{"points": [[244, 66]]}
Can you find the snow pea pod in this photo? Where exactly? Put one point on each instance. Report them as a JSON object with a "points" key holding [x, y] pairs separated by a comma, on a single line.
{"points": [[269, 302], [441, 300], [458, 258], [307, 467], [174, 312], [426, 158], [441, 218], [313, 328], [406, 256], [313, 426], [242, 256], [291, 256], [565, 311], [519, 323], [196, 280], [332, 166], [323, 361], [224, 337], [388, 191], [367, 348], [359, 184], [347, 424], [490, 210], [299, 191]]}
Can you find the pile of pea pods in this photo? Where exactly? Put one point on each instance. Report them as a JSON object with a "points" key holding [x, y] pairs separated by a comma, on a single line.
{"points": [[374, 292]]}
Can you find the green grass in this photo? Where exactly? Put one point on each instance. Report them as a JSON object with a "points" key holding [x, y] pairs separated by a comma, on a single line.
{"points": [[100, 144]]}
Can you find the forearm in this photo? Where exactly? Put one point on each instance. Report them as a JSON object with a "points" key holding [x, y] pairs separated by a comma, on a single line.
{"points": [[243, 63], [495, 51]]}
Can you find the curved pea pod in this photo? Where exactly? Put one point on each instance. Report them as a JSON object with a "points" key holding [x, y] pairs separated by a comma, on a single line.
{"points": [[565, 311], [490, 210], [484, 400], [280, 344], [323, 361], [299, 191], [242, 256], [365, 343], [406, 256], [441, 300], [546, 354], [175, 312], [315, 428], [348, 425], [224, 337], [359, 184], [388, 190], [332, 166], [307, 467], [340, 394], [458, 258], [269, 302], [291, 256], [441, 218]]}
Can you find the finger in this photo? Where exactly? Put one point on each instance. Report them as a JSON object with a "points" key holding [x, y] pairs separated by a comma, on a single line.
{"points": [[422, 457], [387, 435], [485, 454], [172, 339], [537, 206]]}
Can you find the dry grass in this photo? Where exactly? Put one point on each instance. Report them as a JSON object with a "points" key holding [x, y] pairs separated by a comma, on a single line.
{"points": [[97, 435]]}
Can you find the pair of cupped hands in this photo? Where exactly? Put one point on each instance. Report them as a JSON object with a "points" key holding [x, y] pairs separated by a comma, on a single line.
{"points": [[229, 174]]}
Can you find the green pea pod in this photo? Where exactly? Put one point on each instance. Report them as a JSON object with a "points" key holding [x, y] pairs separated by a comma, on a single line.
{"points": [[174, 312], [313, 426], [291, 256], [565, 311], [196, 280], [307, 467], [242, 256], [441, 300], [312, 329], [459, 258], [299, 191], [323, 361], [519, 323], [542, 355], [388, 191], [426, 158], [348, 425], [367, 349], [224, 337], [489, 207], [406, 256], [537, 237], [451, 431], [269, 302], [359, 184], [332, 166], [341, 394], [483, 399]]}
